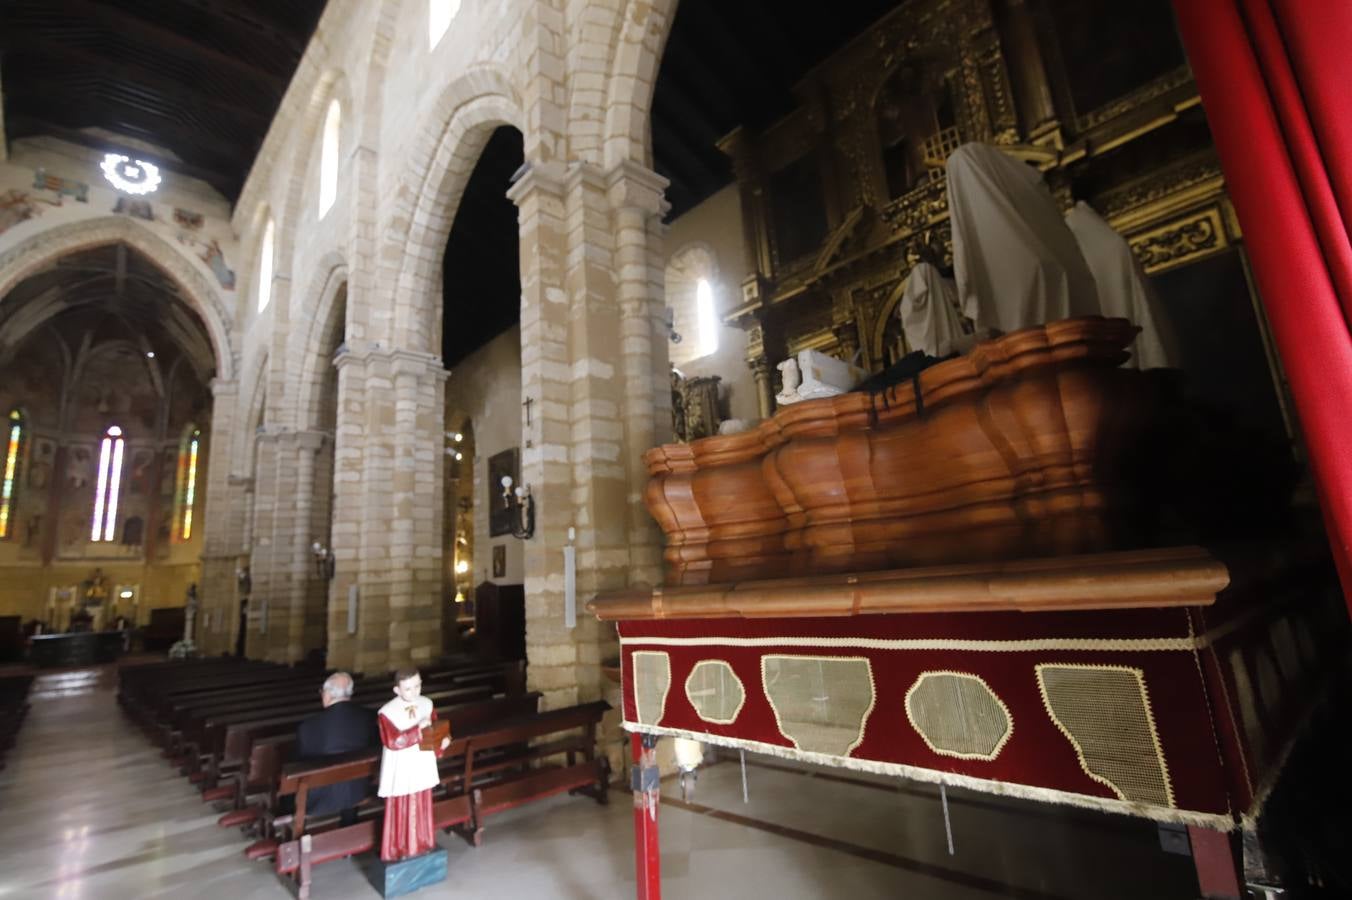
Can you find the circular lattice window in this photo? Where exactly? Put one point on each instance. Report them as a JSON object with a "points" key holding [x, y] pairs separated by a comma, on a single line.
{"points": [[958, 715], [715, 691]]}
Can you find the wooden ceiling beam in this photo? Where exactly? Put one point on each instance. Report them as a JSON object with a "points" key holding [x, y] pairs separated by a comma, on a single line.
{"points": [[270, 28], [116, 71], [79, 110], [119, 21]]}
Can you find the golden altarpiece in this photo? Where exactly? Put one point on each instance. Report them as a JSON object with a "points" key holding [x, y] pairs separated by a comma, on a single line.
{"points": [[841, 197]]}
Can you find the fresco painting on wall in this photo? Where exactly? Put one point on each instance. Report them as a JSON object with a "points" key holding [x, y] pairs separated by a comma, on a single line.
{"points": [[20, 206], [215, 259], [78, 469], [187, 219], [62, 187], [168, 473], [140, 209], [141, 463], [40, 467]]}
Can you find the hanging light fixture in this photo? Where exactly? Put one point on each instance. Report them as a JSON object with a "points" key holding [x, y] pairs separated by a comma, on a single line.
{"points": [[131, 176]]}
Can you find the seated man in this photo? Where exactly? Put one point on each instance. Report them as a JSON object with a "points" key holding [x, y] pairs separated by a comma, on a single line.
{"points": [[341, 727]]}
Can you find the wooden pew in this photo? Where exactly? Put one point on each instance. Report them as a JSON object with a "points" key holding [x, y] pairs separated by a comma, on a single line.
{"points": [[204, 730], [231, 741], [485, 771], [13, 709]]}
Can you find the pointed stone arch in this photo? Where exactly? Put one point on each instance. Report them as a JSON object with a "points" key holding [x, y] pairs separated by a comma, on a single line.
{"points": [[46, 247], [637, 55], [327, 296], [428, 196]]}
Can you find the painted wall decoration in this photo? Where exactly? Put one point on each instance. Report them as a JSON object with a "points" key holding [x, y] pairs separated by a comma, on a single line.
{"points": [[40, 465], [140, 209], [20, 206], [142, 462], [184, 218], [215, 260], [79, 470], [62, 187]]}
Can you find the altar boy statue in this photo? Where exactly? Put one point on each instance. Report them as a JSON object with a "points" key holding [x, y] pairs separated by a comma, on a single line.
{"points": [[407, 772]]}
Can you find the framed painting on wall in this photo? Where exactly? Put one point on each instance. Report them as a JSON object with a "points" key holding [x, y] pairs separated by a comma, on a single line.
{"points": [[500, 465]]}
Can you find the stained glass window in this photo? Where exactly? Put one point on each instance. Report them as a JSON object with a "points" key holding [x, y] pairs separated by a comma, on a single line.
{"points": [[109, 485], [9, 487], [187, 484]]}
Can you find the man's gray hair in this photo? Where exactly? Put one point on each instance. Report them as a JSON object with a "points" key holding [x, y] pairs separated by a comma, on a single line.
{"points": [[338, 686]]}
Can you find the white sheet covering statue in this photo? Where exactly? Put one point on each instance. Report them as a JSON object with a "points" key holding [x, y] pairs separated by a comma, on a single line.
{"points": [[1122, 287], [1018, 265], [929, 313]]}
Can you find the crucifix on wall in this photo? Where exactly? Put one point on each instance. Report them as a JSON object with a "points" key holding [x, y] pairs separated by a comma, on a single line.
{"points": [[527, 405]]}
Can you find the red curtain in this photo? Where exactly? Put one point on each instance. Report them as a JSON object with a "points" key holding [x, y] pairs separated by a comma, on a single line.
{"points": [[1275, 78]]}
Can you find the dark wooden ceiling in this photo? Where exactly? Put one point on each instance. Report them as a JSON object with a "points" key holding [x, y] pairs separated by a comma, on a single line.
{"points": [[200, 78], [735, 62]]}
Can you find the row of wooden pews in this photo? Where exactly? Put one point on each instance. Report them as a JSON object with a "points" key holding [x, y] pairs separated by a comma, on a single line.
{"points": [[13, 709], [230, 726]]}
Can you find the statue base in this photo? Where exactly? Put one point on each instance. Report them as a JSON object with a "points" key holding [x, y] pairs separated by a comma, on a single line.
{"points": [[394, 879]]}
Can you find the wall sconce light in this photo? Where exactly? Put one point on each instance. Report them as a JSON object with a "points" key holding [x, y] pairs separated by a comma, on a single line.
{"points": [[522, 507], [324, 561], [461, 566]]}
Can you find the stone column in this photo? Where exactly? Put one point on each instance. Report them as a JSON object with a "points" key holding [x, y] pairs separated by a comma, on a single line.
{"points": [[266, 612], [306, 587], [637, 197], [222, 523], [592, 345], [388, 509]]}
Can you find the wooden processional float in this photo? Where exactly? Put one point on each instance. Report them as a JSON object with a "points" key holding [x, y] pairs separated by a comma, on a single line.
{"points": [[947, 582]]}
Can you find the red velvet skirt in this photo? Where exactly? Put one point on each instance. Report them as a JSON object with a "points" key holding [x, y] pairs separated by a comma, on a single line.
{"points": [[408, 826]]}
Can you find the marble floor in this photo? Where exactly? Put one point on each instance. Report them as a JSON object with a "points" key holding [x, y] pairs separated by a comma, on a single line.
{"points": [[88, 809]]}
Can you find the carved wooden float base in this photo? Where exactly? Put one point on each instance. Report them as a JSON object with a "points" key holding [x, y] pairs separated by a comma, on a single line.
{"points": [[1014, 451]]}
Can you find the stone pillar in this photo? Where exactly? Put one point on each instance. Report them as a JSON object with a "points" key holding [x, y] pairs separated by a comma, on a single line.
{"points": [[388, 505], [592, 345], [221, 518], [637, 196], [306, 596], [265, 608]]}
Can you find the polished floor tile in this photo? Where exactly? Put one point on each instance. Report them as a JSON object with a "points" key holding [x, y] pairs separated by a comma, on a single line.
{"points": [[89, 809]]}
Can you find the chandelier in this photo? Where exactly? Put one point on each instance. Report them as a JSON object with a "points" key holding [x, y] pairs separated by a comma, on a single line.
{"points": [[129, 175]]}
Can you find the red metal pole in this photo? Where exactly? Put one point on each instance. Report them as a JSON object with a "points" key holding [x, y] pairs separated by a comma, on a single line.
{"points": [[647, 785]]}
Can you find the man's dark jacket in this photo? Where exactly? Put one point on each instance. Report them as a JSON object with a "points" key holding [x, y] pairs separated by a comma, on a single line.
{"points": [[341, 728]]}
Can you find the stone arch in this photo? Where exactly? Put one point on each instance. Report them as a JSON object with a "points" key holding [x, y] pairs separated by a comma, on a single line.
{"points": [[467, 113], [636, 56], [46, 247], [315, 348]]}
